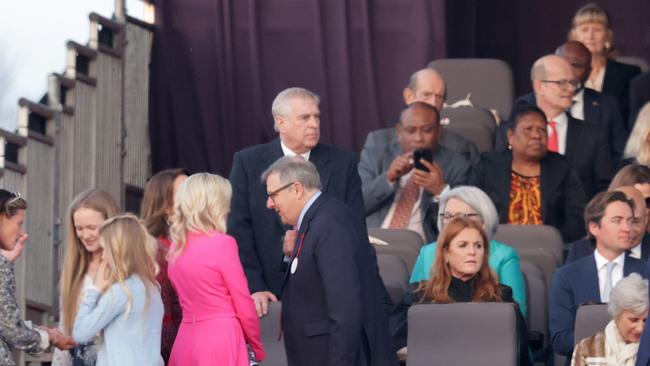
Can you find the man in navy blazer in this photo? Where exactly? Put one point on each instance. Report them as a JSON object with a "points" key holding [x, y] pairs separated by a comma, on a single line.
{"points": [[585, 145], [609, 217], [592, 106], [331, 300], [259, 233], [639, 236], [588, 105]]}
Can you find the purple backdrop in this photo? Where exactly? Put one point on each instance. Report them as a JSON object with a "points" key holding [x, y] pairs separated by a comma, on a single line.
{"points": [[217, 64]]}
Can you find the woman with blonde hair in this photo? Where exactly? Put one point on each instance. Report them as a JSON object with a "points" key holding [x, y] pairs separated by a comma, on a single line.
{"points": [[637, 149], [83, 256], [460, 273], [124, 302], [207, 274], [592, 27], [156, 211]]}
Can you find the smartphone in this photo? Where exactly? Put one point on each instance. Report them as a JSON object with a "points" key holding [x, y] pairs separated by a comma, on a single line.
{"points": [[425, 154]]}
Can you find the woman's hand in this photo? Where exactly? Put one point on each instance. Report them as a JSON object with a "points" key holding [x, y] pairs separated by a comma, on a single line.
{"points": [[14, 254], [57, 339], [101, 282]]}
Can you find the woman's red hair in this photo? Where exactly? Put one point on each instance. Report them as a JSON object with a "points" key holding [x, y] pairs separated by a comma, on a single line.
{"points": [[486, 284]]}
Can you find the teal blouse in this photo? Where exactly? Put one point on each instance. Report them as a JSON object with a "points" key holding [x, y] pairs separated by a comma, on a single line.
{"points": [[503, 260]]}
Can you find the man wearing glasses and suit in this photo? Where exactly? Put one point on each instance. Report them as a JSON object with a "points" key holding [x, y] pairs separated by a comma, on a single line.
{"points": [[258, 231]]}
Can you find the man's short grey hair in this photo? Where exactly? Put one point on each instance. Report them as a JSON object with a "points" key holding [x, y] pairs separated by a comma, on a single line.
{"points": [[281, 104], [294, 169], [478, 201], [413, 79], [630, 293]]}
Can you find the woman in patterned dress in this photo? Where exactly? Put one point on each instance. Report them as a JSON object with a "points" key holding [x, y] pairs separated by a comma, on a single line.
{"points": [[157, 207], [528, 184], [14, 332]]}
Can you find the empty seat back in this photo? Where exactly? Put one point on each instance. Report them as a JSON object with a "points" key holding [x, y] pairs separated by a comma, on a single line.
{"points": [[590, 319], [402, 243], [394, 274], [273, 345], [462, 334], [489, 81]]}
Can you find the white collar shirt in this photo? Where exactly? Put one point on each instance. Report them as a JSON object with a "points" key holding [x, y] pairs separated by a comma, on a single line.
{"points": [[601, 266], [578, 106], [288, 152]]}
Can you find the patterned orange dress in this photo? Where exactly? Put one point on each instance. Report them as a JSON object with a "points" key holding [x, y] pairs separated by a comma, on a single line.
{"points": [[525, 200]]}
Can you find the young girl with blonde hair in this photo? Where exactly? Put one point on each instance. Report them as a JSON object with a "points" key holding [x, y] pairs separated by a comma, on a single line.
{"points": [[124, 302], [83, 255]]}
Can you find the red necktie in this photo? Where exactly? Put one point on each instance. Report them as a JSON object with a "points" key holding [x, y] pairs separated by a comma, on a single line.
{"points": [[552, 139]]}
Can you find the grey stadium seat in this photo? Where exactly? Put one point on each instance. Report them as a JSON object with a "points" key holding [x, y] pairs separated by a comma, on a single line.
{"points": [[539, 244], [270, 327], [442, 334], [633, 60], [590, 319], [402, 243], [490, 82], [475, 124], [394, 274], [537, 305]]}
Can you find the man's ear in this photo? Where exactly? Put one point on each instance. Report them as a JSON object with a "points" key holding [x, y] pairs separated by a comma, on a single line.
{"points": [[279, 122], [537, 86], [408, 95], [594, 229]]}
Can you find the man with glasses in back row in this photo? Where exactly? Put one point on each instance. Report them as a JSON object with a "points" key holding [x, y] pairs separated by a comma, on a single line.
{"points": [[584, 145]]}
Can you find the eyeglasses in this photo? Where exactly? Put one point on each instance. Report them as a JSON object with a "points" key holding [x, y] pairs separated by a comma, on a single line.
{"points": [[564, 84], [446, 216], [275, 193]]}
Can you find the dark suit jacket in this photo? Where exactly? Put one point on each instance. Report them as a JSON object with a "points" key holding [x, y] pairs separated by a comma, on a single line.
{"points": [[259, 230], [378, 195], [583, 247], [599, 109], [617, 83], [573, 285], [331, 306], [639, 96], [448, 139], [643, 357], [563, 199]]}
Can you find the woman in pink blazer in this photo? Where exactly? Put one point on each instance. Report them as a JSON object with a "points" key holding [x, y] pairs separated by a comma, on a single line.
{"points": [[219, 317]]}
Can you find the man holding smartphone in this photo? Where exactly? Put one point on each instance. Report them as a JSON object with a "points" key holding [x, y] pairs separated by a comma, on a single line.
{"points": [[395, 194]]}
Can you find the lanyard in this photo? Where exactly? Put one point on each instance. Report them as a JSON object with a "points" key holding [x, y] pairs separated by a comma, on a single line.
{"points": [[302, 239]]}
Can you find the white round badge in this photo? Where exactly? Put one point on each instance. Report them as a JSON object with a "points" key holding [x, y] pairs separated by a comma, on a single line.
{"points": [[294, 265]]}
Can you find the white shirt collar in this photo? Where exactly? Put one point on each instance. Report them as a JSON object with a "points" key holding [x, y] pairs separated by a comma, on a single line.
{"points": [[579, 97], [561, 119], [288, 152], [636, 252], [304, 210], [602, 261], [578, 107]]}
